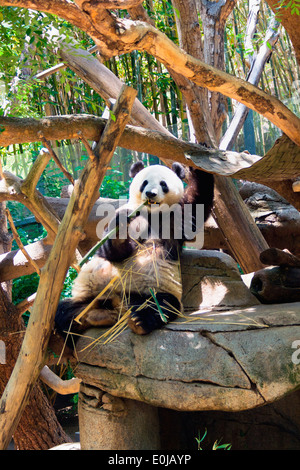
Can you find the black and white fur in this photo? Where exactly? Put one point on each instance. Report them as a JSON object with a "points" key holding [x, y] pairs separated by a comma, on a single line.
{"points": [[163, 187]]}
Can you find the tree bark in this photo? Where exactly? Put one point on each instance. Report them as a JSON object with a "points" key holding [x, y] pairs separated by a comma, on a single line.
{"points": [[214, 16], [39, 428], [291, 22]]}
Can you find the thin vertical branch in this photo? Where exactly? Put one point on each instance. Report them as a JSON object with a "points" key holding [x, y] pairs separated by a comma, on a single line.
{"points": [[56, 159], [19, 242]]}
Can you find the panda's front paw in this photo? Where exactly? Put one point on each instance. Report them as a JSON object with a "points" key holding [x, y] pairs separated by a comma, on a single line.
{"points": [[120, 222], [143, 321]]}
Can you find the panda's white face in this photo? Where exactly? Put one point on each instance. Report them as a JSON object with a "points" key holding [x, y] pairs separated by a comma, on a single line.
{"points": [[156, 184]]}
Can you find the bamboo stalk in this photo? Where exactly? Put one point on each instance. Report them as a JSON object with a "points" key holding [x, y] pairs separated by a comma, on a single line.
{"points": [[107, 237]]}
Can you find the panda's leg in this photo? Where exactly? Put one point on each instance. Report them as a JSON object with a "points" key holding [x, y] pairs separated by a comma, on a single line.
{"points": [[145, 319], [103, 314], [67, 310]]}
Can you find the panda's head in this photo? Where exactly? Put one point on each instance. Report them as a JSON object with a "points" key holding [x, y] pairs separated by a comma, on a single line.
{"points": [[156, 184]]}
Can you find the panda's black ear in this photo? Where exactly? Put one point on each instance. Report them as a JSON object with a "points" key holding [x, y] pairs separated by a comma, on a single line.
{"points": [[179, 170], [135, 168]]}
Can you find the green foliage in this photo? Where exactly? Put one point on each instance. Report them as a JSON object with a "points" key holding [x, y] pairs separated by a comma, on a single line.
{"points": [[216, 445], [294, 5]]}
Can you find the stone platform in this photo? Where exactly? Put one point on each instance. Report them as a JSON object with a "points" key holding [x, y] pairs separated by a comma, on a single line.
{"points": [[222, 357]]}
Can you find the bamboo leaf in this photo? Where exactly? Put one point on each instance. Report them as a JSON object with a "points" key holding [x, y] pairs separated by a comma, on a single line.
{"points": [[162, 316]]}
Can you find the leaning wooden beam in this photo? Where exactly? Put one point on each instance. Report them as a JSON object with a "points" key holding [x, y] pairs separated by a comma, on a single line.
{"points": [[244, 240], [46, 73], [33, 351], [105, 83]]}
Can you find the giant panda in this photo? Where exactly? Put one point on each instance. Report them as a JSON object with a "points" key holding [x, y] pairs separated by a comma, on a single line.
{"points": [[140, 274]]}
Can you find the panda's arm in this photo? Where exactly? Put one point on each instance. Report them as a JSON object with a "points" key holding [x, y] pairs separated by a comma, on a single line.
{"points": [[120, 246], [200, 190]]}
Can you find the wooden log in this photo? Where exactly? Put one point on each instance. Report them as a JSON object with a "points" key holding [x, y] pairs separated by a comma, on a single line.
{"points": [[279, 283], [244, 239], [276, 285], [33, 351], [276, 257], [281, 162]]}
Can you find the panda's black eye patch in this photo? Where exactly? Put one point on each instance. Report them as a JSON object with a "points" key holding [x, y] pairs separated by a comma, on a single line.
{"points": [[144, 184], [164, 186]]}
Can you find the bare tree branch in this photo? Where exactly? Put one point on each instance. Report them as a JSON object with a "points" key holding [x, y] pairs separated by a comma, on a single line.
{"points": [[280, 162], [19, 242], [25, 304], [111, 4], [62, 8], [117, 36], [63, 387], [56, 159]]}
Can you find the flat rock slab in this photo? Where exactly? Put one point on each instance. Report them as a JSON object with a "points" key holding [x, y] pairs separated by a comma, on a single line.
{"points": [[228, 360], [211, 278]]}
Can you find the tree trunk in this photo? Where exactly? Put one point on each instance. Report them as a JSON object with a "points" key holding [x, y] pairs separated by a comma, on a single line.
{"points": [[232, 216], [39, 428]]}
